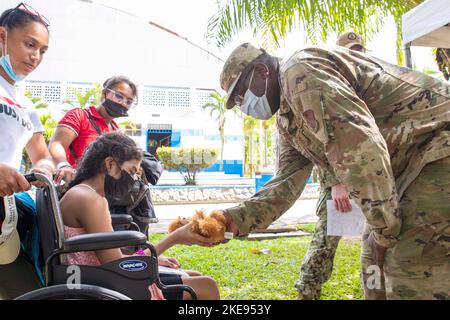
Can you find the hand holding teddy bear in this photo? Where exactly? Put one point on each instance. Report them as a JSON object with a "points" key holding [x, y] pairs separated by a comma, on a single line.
{"points": [[212, 226]]}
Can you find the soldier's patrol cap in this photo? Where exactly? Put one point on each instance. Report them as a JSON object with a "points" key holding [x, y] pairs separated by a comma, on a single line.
{"points": [[350, 39], [238, 60]]}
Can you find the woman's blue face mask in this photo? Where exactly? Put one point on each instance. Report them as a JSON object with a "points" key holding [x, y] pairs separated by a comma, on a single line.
{"points": [[5, 63]]}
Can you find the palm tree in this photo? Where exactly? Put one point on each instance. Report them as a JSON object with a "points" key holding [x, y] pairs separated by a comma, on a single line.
{"points": [[249, 128], [269, 128], [272, 20], [257, 134], [218, 109]]}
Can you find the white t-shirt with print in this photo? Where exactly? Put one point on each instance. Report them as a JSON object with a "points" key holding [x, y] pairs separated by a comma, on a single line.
{"points": [[18, 122]]}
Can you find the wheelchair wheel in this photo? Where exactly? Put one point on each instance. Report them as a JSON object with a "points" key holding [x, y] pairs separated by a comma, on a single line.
{"points": [[65, 292]]}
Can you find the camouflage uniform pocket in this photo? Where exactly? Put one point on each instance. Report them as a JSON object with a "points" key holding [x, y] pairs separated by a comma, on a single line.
{"points": [[411, 244], [437, 250], [425, 244], [311, 108]]}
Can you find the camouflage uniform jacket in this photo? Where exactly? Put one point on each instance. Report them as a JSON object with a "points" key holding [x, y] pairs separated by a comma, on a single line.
{"points": [[371, 124]]}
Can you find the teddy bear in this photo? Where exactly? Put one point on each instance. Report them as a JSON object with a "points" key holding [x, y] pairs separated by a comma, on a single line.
{"points": [[212, 226]]}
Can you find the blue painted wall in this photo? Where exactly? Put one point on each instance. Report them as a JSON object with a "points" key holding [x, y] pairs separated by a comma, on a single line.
{"points": [[229, 167], [176, 138]]}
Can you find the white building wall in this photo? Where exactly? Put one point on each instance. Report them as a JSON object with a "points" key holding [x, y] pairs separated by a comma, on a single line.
{"points": [[90, 42]]}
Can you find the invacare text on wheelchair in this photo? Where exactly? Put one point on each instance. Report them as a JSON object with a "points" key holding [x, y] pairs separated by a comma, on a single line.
{"points": [[126, 278]]}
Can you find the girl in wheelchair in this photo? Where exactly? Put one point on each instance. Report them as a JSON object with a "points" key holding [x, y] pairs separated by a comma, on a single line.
{"points": [[111, 161]]}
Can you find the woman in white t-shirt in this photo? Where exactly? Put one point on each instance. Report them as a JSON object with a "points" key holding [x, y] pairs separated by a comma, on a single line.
{"points": [[24, 39]]}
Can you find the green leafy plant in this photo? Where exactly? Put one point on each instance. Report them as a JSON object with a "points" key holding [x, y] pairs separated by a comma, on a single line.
{"points": [[47, 121], [188, 161], [273, 20], [130, 128], [37, 101], [83, 100], [258, 135], [49, 125]]}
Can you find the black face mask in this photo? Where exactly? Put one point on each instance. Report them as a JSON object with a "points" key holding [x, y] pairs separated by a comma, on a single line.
{"points": [[114, 109], [117, 189]]}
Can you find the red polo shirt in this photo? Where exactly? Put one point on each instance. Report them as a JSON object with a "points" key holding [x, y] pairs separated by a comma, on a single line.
{"points": [[77, 120]]}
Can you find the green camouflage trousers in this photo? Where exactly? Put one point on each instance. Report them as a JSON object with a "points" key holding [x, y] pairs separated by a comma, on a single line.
{"points": [[418, 266], [317, 265]]}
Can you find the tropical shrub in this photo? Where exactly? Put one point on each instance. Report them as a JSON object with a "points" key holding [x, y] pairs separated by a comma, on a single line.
{"points": [[188, 161]]}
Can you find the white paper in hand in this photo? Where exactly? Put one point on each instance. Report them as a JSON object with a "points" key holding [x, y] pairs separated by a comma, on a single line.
{"points": [[344, 224]]}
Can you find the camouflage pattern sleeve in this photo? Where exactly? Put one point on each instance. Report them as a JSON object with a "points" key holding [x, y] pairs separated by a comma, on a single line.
{"points": [[358, 153], [352, 143], [278, 195], [326, 179]]}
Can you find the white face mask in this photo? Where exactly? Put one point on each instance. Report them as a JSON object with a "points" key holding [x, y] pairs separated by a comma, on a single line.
{"points": [[254, 106]]}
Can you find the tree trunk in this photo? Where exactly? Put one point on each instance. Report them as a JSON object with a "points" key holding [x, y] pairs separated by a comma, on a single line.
{"points": [[261, 146], [250, 147], [222, 141], [265, 148]]}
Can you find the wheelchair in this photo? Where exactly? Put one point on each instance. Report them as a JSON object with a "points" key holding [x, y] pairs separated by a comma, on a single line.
{"points": [[124, 279]]}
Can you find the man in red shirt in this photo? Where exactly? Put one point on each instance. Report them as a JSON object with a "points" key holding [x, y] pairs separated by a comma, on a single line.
{"points": [[79, 127]]}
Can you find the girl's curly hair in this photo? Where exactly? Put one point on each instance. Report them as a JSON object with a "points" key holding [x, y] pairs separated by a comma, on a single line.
{"points": [[116, 145]]}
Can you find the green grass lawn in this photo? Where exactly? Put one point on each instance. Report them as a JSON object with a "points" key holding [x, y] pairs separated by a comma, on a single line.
{"points": [[243, 274], [307, 227]]}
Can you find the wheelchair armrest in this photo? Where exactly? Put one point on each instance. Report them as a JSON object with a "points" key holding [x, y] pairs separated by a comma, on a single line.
{"points": [[104, 240], [121, 219]]}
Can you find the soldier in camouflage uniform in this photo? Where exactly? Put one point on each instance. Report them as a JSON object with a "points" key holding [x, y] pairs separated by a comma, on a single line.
{"points": [[317, 265], [380, 129]]}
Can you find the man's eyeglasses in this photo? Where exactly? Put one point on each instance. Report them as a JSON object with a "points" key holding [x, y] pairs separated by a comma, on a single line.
{"points": [[31, 11], [121, 99]]}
